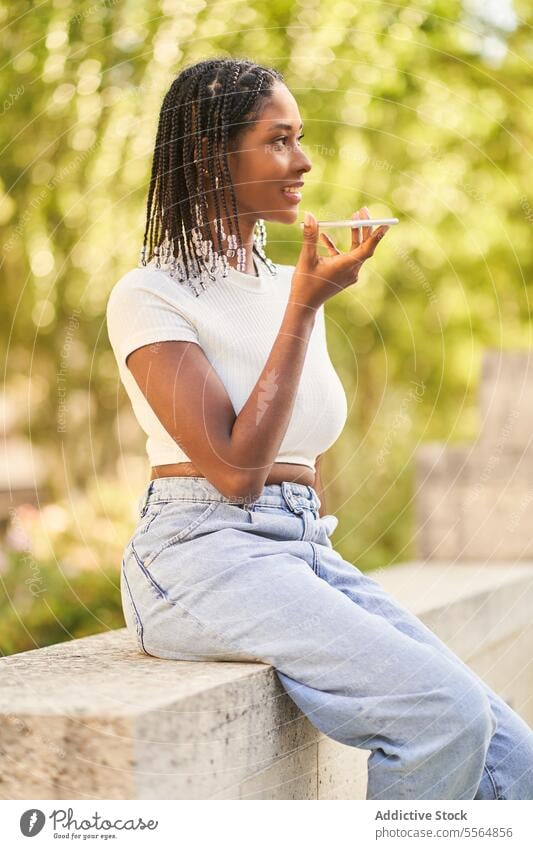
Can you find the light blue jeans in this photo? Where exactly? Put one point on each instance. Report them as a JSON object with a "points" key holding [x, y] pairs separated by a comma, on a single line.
{"points": [[205, 577]]}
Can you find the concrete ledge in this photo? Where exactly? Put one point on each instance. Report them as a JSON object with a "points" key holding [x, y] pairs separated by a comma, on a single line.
{"points": [[506, 399], [94, 718], [473, 502]]}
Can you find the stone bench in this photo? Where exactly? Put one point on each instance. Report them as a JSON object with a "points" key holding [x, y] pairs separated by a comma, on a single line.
{"points": [[95, 719]]}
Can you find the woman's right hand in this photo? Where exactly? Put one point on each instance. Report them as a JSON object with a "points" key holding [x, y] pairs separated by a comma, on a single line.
{"points": [[317, 278]]}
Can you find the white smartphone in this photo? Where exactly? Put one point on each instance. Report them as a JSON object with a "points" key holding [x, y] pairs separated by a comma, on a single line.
{"points": [[357, 222]]}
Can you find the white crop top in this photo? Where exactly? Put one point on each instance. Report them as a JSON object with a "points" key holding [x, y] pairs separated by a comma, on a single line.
{"points": [[235, 320]]}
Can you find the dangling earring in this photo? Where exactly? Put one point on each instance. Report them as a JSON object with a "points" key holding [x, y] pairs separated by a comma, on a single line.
{"points": [[260, 240], [260, 234]]}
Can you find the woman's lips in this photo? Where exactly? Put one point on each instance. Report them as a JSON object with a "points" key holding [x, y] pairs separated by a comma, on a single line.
{"points": [[292, 197]]}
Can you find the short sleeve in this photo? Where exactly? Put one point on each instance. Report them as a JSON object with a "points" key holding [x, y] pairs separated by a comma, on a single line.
{"points": [[139, 314]]}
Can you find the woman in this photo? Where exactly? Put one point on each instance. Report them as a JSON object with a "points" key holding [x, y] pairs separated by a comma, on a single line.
{"points": [[224, 357]]}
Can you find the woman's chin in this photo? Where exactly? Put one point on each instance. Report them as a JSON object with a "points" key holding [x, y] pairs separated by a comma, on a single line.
{"points": [[282, 216]]}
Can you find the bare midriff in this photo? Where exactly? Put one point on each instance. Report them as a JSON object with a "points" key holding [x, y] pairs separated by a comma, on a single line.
{"points": [[293, 472]]}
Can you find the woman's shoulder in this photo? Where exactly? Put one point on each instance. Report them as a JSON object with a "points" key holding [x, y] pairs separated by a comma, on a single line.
{"points": [[144, 278], [147, 284], [143, 307], [146, 295]]}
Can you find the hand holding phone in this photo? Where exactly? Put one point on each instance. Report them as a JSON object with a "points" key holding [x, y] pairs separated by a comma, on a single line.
{"points": [[317, 278]]}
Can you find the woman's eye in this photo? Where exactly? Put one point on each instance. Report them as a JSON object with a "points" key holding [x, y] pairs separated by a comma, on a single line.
{"points": [[284, 138]]}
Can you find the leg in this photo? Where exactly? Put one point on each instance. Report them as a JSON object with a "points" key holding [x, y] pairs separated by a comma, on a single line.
{"points": [[508, 771], [238, 592]]}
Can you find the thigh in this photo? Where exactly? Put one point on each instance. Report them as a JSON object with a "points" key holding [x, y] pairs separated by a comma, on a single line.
{"points": [[368, 593]]}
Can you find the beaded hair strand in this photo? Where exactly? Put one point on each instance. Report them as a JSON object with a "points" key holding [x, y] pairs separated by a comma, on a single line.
{"points": [[215, 99]]}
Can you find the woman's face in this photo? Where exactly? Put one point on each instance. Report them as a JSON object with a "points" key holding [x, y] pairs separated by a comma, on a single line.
{"points": [[266, 158]]}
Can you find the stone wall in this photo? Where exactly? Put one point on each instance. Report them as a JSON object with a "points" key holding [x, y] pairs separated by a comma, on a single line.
{"points": [[475, 501]]}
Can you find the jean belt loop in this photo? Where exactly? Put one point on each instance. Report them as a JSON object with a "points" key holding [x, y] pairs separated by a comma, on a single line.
{"points": [[288, 496], [315, 501], [144, 500]]}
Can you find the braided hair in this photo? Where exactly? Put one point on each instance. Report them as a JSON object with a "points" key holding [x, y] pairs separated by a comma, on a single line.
{"points": [[219, 99]]}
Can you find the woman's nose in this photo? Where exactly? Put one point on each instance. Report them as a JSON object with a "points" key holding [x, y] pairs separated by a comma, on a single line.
{"points": [[304, 163]]}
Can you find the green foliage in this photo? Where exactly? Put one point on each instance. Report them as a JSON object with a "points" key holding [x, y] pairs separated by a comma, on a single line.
{"points": [[60, 567], [403, 113], [67, 608]]}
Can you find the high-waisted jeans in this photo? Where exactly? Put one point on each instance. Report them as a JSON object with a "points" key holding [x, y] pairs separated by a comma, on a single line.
{"points": [[206, 577]]}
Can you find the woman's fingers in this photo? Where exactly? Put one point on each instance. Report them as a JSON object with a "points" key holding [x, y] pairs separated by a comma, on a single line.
{"points": [[366, 230], [356, 233], [330, 245], [360, 234], [364, 241], [309, 246], [370, 244]]}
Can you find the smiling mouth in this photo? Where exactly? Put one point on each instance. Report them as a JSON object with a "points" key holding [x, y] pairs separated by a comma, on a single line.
{"points": [[294, 196]]}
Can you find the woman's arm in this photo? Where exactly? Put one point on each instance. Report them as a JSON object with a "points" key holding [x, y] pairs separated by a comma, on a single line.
{"points": [[317, 486], [260, 427], [235, 453]]}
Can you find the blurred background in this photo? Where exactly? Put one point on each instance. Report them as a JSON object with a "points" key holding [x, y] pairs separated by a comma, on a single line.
{"points": [[416, 109]]}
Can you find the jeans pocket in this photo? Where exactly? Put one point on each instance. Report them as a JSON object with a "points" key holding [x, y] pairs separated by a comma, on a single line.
{"points": [[152, 512], [177, 522]]}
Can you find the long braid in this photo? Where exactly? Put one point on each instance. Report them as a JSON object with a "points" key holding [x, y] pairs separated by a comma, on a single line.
{"points": [[214, 99], [165, 210], [153, 191], [204, 127], [219, 93], [194, 183], [225, 166]]}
